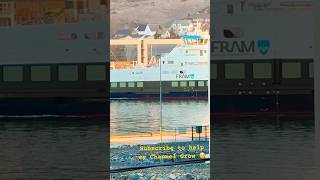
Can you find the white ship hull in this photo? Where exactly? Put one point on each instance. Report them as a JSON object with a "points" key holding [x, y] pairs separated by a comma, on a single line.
{"points": [[183, 73], [192, 73]]}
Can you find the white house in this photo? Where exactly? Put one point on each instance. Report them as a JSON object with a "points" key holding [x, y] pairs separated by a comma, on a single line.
{"points": [[144, 30], [201, 22], [182, 27], [163, 33]]}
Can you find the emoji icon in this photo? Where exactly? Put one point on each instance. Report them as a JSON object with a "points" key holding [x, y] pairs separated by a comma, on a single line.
{"points": [[202, 155]]}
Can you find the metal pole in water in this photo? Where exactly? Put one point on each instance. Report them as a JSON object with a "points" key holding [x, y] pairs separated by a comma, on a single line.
{"points": [[192, 133], [209, 85], [160, 61]]}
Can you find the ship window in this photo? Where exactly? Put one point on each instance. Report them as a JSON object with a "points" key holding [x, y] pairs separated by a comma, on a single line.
{"points": [[174, 84], [235, 71], [170, 62], [114, 84], [262, 70], [96, 72], [183, 84], [13, 73], [200, 83], [230, 9], [192, 83], [213, 71], [123, 84], [201, 53], [291, 70], [139, 84], [311, 70], [40, 73], [69, 4], [131, 84], [68, 72]]}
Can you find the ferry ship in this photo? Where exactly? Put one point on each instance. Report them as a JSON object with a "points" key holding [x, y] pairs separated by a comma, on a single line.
{"points": [[54, 69], [183, 73], [262, 58]]}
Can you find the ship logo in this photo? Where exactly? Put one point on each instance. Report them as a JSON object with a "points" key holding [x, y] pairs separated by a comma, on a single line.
{"points": [[263, 46], [185, 76]]}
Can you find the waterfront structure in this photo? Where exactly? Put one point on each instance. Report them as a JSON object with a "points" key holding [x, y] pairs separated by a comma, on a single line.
{"points": [[141, 48]]}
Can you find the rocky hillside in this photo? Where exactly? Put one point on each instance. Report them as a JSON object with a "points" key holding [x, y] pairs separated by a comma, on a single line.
{"points": [[124, 12]]}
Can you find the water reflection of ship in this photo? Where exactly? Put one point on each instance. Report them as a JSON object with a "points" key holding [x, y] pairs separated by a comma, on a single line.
{"points": [[184, 71]]}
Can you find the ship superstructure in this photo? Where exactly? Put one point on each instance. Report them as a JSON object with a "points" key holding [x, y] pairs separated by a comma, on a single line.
{"points": [[262, 57], [56, 69], [184, 73]]}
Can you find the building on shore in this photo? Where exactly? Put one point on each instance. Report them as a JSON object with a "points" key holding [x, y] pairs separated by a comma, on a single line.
{"points": [[163, 33], [182, 26]]}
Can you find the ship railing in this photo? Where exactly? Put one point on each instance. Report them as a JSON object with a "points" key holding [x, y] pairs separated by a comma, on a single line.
{"points": [[193, 133]]}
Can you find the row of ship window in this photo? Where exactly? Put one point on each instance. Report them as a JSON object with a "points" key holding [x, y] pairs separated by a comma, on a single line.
{"points": [[43, 73], [289, 70], [173, 84]]}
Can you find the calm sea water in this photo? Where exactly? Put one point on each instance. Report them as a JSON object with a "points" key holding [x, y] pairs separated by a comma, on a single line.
{"points": [[127, 117], [53, 148], [135, 117], [264, 150]]}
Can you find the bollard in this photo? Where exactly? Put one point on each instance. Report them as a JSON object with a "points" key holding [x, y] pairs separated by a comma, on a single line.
{"points": [[192, 133], [175, 134], [205, 133]]}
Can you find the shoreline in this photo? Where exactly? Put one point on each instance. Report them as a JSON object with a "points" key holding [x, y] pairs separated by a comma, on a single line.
{"points": [[179, 172], [127, 156], [139, 162]]}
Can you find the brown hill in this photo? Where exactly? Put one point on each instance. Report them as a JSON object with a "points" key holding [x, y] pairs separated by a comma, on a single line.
{"points": [[124, 12]]}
